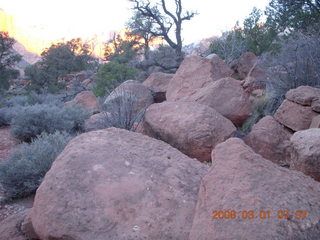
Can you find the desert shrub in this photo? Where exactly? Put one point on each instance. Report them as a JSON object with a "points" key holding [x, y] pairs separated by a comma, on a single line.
{"points": [[295, 65], [229, 46], [111, 75], [17, 101], [121, 110], [59, 59], [23, 171], [7, 114], [53, 99], [31, 121], [258, 112], [255, 36]]}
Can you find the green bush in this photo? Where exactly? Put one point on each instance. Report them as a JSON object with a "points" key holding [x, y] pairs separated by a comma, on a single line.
{"points": [[59, 59], [31, 121], [111, 75], [23, 171]]}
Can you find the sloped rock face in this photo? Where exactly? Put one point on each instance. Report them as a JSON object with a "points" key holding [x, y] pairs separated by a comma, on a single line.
{"points": [[315, 122], [158, 82], [117, 185], [87, 99], [295, 116], [132, 95], [194, 73], [303, 95], [10, 227], [270, 139], [305, 156], [193, 128], [244, 64], [96, 122], [243, 181], [228, 97], [315, 105]]}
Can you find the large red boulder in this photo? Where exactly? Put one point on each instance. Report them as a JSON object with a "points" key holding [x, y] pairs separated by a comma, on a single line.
{"points": [[245, 64], [193, 128], [117, 185], [86, 99], [228, 97], [303, 95], [10, 228], [158, 82], [315, 105], [131, 97], [315, 122], [245, 196], [270, 139], [305, 154], [95, 122], [294, 116], [196, 72]]}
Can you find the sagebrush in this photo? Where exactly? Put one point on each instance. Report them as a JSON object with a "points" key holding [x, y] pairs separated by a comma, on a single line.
{"points": [[22, 173], [33, 120]]}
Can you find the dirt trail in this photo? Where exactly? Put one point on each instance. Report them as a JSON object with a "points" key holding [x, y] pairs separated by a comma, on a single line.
{"points": [[7, 143]]}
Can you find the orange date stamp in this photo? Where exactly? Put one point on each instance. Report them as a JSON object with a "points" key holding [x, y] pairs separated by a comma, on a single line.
{"points": [[254, 214]]}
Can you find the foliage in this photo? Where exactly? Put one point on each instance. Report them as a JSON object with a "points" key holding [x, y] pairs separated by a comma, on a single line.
{"points": [[295, 65], [121, 110], [22, 173], [8, 58], [162, 19], [59, 59], [110, 75], [259, 37], [7, 114], [140, 28], [230, 45], [258, 112], [31, 121], [122, 49], [254, 36], [292, 15]]}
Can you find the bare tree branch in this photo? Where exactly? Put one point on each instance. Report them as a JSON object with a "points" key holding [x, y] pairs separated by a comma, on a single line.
{"points": [[165, 19]]}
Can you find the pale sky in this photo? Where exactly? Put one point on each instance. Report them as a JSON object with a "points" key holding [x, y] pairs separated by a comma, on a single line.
{"points": [[48, 20]]}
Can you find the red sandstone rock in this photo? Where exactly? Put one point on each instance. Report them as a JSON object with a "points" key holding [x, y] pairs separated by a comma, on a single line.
{"points": [[158, 82], [196, 72], [10, 227], [305, 156], [228, 97], [87, 99], [294, 116], [96, 122], [270, 139], [315, 122], [315, 106], [117, 185], [303, 95], [131, 95], [245, 63], [193, 128], [243, 181]]}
